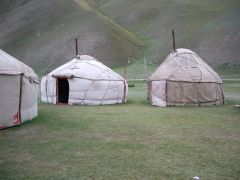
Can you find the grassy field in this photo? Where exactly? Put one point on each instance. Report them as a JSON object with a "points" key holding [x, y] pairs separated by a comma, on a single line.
{"points": [[130, 141], [232, 86]]}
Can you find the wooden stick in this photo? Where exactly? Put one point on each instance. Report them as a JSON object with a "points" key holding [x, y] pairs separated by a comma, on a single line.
{"points": [[125, 79], [125, 71], [20, 99], [56, 91], [174, 45], [76, 46]]}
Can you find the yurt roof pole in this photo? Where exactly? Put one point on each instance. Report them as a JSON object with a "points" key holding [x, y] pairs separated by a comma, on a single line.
{"points": [[173, 36], [76, 46]]}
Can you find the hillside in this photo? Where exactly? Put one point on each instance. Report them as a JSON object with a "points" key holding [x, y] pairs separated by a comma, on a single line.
{"points": [[41, 33], [209, 27]]}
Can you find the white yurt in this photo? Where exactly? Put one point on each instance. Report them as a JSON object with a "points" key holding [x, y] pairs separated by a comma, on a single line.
{"points": [[18, 91], [184, 78], [85, 81]]}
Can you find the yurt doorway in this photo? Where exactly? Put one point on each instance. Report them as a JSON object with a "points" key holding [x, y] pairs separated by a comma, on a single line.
{"points": [[63, 90]]}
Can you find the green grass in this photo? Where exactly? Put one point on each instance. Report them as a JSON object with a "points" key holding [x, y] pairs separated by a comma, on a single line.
{"points": [[130, 141], [228, 71], [232, 86]]}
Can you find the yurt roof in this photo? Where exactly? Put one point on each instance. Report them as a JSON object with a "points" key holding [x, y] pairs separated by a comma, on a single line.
{"points": [[85, 67], [10, 65], [185, 65]]}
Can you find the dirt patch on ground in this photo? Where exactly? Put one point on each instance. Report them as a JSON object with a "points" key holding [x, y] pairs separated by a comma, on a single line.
{"points": [[32, 131]]}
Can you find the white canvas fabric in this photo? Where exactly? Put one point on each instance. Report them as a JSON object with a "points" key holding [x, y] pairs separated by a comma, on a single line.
{"points": [[184, 78], [18, 91], [90, 83]]}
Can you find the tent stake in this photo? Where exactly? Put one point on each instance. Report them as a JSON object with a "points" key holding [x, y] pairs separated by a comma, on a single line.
{"points": [[174, 45]]}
